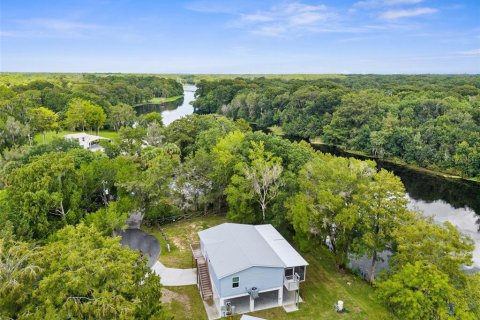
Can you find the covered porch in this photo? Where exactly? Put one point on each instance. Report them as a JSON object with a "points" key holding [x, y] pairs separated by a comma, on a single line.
{"points": [[266, 300], [245, 303]]}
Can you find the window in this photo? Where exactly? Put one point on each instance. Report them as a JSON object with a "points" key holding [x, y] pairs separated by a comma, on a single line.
{"points": [[301, 272], [288, 272], [235, 282]]}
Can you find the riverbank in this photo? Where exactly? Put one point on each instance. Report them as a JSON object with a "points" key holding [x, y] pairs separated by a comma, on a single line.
{"points": [[276, 130], [163, 100], [397, 162]]}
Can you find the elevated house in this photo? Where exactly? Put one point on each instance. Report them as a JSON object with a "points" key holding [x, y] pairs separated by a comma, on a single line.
{"points": [[246, 268]]}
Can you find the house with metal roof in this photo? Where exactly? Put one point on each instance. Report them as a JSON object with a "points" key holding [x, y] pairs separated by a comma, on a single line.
{"points": [[246, 268], [86, 141]]}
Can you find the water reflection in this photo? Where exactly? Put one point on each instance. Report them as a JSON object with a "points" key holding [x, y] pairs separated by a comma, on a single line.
{"points": [[465, 219], [173, 110], [453, 200], [158, 107], [184, 109]]}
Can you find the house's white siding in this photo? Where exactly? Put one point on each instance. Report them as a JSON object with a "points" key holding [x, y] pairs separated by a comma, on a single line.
{"points": [[263, 278]]}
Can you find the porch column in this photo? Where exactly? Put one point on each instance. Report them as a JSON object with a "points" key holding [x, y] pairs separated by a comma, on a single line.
{"points": [[280, 296], [252, 304], [220, 304]]}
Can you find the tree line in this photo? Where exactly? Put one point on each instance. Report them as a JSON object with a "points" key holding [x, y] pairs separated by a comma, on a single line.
{"points": [[429, 121], [58, 258], [73, 102]]}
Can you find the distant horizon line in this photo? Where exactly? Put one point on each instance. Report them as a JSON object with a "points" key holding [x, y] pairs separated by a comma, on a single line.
{"points": [[235, 74]]}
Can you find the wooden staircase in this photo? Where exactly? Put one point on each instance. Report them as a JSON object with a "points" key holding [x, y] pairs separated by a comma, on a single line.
{"points": [[203, 276], [204, 279]]}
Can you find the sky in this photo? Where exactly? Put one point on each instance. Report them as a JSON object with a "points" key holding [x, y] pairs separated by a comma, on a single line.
{"points": [[205, 36]]}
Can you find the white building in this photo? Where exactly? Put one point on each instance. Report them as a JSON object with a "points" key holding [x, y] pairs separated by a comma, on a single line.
{"points": [[87, 141]]}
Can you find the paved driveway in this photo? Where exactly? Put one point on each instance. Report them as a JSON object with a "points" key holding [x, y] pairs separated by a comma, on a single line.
{"points": [[173, 276], [147, 244]]}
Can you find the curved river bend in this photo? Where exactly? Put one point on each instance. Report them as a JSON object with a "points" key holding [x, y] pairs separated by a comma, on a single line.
{"points": [[173, 110], [184, 109]]}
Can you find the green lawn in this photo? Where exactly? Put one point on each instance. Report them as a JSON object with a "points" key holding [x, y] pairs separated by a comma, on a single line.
{"points": [[184, 302], [181, 234], [161, 100], [322, 288], [52, 134]]}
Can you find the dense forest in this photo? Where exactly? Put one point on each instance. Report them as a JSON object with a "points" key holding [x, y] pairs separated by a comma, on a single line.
{"points": [[430, 121], [29, 106], [61, 204], [57, 257]]}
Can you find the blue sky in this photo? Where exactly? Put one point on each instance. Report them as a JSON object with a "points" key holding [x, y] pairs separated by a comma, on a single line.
{"points": [[204, 36]]}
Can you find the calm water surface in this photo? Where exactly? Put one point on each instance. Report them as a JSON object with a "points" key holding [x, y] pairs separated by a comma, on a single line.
{"points": [[456, 201], [184, 109], [173, 110]]}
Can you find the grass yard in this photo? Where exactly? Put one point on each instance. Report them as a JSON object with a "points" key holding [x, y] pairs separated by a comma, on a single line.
{"points": [[162, 100], [323, 286], [52, 134], [184, 302], [181, 234]]}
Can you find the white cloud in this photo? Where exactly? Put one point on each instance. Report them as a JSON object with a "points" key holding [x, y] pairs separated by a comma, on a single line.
{"points": [[256, 17], [472, 52], [397, 2], [270, 30], [383, 3], [406, 13], [64, 28], [208, 6], [7, 34], [61, 25], [293, 18], [306, 18], [286, 19]]}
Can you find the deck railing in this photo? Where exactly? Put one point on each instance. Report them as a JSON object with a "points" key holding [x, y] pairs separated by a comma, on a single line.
{"points": [[292, 282], [196, 250], [203, 274]]}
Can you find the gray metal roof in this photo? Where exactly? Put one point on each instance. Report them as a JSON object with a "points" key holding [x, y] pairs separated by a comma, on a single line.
{"points": [[284, 250], [235, 247]]}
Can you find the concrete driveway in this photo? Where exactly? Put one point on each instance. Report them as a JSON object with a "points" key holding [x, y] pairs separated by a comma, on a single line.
{"points": [[137, 239], [173, 276]]}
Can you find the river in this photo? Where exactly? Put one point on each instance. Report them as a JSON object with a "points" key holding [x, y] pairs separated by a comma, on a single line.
{"points": [[453, 200], [184, 109], [444, 199], [173, 110]]}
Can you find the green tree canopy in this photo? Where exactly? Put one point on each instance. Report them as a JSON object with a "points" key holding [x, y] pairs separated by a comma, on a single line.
{"points": [[43, 120], [121, 115], [327, 203], [83, 114], [421, 291], [81, 274]]}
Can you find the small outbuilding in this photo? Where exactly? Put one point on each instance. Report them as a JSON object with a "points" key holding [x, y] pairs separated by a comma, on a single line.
{"points": [[246, 268]]}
